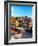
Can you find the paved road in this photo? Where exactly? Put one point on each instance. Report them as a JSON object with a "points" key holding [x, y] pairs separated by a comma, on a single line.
{"points": [[27, 35]]}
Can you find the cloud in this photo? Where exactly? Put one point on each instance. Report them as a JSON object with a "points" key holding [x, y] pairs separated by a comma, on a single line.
{"points": [[12, 11]]}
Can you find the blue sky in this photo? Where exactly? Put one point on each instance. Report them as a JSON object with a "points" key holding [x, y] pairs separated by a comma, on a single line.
{"points": [[19, 11]]}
